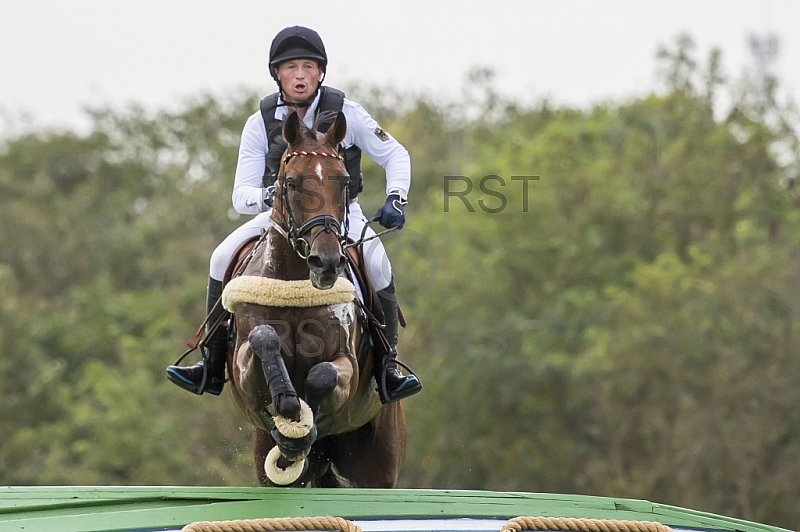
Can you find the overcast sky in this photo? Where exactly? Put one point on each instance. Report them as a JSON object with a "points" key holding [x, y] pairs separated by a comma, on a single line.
{"points": [[57, 57]]}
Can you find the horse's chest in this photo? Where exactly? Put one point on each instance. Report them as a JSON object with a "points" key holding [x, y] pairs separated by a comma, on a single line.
{"points": [[328, 332], [317, 333]]}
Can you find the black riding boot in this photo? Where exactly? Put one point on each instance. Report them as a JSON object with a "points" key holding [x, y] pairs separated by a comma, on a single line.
{"points": [[398, 386], [208, 375]]}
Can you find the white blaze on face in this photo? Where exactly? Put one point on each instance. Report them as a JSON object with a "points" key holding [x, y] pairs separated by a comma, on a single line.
{"points": [[319, 172]]}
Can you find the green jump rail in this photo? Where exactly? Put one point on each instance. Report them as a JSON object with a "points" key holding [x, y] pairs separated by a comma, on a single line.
{"points": [[103, 508]]}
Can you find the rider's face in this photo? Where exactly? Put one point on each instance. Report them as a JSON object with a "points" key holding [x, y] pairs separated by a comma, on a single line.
{"points": [[299, 79]]}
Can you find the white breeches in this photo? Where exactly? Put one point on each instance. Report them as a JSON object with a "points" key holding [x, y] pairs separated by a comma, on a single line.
{"points": [[378, 268]]}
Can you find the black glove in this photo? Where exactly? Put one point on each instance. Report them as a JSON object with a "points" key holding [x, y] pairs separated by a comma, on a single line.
{"points": [[392, 213]]}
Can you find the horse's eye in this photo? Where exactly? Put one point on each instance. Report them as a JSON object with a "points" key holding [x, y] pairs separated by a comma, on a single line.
{"points": [[291, 184]]}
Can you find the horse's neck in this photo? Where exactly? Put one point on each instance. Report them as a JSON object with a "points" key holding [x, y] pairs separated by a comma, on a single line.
{"points": [[280, 261]]}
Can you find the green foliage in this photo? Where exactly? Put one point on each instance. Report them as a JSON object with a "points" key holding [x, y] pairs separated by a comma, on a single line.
{"points": [[633, 332], [103, 258], [622, 324]]}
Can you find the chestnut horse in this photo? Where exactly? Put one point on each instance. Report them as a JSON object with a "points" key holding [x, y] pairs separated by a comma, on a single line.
{"points": [[317, 415]]}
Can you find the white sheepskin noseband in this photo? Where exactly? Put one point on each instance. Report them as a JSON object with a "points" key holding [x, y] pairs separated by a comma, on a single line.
{"points": [[278, 293]]}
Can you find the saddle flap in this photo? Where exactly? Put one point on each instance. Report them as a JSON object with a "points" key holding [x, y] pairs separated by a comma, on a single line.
{"points": [[357, 267], [355, 259], [235, 265]]}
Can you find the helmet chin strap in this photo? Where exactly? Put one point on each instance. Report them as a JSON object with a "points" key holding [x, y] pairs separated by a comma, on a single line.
{"points": [[305, 103]]}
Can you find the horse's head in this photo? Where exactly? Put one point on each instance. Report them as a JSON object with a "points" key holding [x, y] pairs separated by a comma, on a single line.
{"points": [[311, 197]]}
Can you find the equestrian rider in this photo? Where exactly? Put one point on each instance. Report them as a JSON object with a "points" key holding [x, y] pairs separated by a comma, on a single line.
{"points": [[298, 62]]}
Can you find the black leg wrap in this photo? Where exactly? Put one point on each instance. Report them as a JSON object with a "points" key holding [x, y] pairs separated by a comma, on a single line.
{"points": [[266, 343], [294, 449]]}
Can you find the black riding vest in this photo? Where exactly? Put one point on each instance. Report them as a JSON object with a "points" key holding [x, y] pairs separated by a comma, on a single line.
{"points": [[330, 99]]}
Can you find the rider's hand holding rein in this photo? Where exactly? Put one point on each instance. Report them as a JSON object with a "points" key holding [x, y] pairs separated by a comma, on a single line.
{"points": [[392, 213]]}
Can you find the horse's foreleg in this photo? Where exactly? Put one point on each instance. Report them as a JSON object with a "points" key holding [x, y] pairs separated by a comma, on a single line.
{"points": [[294, 431], [266, 344], [262, 443], [328, 385]]}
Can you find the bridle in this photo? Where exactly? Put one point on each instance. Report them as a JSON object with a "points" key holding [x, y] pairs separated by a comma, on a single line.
{"points": [[296, 235]]}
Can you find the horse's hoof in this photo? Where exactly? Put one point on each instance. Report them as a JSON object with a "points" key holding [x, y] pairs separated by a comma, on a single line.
{"points": [[295, 438], [288, 407], [296, 428], [321, 381], [280, 476]]}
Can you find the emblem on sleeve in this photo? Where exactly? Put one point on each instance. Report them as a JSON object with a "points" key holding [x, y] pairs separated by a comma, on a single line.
{"points": [[383, 135]]}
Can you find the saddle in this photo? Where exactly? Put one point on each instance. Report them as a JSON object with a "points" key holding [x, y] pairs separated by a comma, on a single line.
{"points": [[236, 266]]}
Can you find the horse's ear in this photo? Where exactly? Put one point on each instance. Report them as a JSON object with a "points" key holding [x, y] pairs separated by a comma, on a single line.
{"points": [[292, 131], [338, 129]]}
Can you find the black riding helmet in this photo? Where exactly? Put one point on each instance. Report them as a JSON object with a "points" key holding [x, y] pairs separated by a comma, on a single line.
{"points": [[297, 42]]}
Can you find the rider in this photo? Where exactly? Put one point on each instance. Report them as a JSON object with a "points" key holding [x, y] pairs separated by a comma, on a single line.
{"points": [[298, 63]]}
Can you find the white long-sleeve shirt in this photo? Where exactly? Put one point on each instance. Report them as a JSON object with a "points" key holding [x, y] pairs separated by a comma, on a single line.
{"points": [[362, 131]]}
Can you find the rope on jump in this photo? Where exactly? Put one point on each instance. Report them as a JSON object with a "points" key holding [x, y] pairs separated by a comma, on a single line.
{"points": [[518, 524], [274, 525]]}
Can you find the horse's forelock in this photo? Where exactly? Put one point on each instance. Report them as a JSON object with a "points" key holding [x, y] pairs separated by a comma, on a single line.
{"points": [[324, 116]]}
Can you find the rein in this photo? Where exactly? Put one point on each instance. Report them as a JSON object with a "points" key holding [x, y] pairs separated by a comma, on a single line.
{"points": [[296, 236], [368, 238]]}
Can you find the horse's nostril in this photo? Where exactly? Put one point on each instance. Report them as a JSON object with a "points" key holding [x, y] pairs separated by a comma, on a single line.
{"points": [[342, 263], [316, 264]]}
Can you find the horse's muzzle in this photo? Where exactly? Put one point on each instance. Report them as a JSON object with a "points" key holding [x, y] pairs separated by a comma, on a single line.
{"points": [[325, 269]]}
